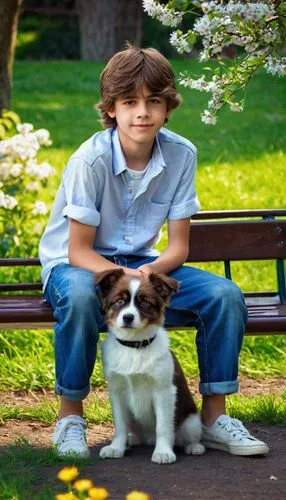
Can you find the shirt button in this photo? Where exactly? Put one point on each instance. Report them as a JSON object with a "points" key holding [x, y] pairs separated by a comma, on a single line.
{"points": [[127, 239], [130, 190]]}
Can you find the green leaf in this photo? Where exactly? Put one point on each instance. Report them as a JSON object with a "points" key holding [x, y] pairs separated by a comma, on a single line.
{"points": [[8, 124], [2, 132], [12, 116]]}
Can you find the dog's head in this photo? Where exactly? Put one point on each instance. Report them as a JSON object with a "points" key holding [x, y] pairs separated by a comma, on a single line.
{"points": [[135, 303]]}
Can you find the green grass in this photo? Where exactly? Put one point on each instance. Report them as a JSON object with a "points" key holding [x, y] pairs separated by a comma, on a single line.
{"points": [[269, 409], [27, 360]]}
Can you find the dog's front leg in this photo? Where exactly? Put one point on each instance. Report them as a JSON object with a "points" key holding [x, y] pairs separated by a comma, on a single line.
{"points": [[164, 405], [120, 415]]}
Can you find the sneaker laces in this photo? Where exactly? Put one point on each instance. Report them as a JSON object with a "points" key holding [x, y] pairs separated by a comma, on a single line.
{"points": [[234, 427], [72, 432]]}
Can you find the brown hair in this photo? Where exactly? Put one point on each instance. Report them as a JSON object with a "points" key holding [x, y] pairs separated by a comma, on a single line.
{"points": [[129, 69]]}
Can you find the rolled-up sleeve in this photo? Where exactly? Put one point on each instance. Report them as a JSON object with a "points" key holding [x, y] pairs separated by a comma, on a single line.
{"points": [[185, 202], [81, 188]]}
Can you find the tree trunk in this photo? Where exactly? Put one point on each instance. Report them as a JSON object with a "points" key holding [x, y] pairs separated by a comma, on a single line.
{"points": [[105, 26], [9, 15]]}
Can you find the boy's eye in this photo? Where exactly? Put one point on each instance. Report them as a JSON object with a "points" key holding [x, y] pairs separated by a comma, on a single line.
{"points": [[155, 101], [129, 102]]}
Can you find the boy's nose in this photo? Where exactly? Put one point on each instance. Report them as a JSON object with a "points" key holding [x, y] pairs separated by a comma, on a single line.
{"points": [[142, 110]]}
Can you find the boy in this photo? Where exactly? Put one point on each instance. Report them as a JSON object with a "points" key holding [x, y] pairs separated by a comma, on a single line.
{"points": [[117, 190]]}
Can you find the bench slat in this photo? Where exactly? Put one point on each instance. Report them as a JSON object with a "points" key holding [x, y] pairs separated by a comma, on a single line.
{"points": [[236, 240]]}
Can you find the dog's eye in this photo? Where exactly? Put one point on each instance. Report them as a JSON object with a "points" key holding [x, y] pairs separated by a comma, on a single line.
{"points": [[144, 304], [120, 302]]}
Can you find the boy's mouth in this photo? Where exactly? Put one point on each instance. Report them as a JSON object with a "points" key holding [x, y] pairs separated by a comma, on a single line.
{"points": [[143, 126]]}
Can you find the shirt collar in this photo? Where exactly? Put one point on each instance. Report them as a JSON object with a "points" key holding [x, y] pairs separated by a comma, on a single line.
{"points": [[119, 162]]}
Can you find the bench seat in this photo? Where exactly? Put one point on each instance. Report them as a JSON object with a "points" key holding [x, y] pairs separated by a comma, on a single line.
{"points": [[265, 315]]}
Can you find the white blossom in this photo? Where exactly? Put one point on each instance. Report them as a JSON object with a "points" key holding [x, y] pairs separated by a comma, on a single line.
{"points": [[204, 25], [5, 168], [24, 128], [6, 201], [168, 17], [16, 169], [43, 137], [33, 186], [208, 118], [32, 168], [45, 170], [276, 66], [179, 41], [40, 170], [40, 208], [236, 107], [38, 228], [257, 27]]}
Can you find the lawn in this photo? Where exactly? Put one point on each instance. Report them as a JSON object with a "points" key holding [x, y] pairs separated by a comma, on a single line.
{"points": [[241, 164]]}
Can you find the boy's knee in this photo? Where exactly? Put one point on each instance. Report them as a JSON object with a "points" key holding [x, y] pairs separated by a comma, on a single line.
{"points": [[228, 293]]}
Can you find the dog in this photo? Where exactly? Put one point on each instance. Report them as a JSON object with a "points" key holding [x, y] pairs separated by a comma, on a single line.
{"points": [[150, 399]]}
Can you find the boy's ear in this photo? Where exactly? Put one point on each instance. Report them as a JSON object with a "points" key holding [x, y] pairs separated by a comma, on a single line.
{"points": [[168, 112], [111, 113]]}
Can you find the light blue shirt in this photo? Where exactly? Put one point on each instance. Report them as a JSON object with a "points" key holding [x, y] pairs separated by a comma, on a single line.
{"points": [[96, 191]]}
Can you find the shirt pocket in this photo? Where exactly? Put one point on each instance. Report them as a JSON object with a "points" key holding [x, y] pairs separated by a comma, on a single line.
{"points": [[155, 215]]}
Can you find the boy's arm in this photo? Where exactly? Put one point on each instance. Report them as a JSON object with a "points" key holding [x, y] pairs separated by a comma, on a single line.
{"points": [[81, 253], [177, 250]]}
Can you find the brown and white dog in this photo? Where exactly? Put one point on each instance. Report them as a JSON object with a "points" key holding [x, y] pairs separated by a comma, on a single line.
{"points": [[150, 399]]}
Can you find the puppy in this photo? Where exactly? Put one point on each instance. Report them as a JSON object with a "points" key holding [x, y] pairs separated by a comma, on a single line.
{"points": [[150, 399]]}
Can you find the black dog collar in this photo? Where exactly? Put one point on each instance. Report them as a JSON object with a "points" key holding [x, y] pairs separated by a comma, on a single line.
{"points": [[136, 343]]}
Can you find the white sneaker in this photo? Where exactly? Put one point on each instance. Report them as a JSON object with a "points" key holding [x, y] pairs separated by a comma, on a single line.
{"points": [[229, 434], [69, 437]]}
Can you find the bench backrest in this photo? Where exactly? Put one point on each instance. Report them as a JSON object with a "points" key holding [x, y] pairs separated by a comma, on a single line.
{"points": [[218, 236], [237, 240], [257, 235]]}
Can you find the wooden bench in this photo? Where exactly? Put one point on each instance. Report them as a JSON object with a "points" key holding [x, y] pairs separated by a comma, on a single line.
{"points": [[215, 236]]}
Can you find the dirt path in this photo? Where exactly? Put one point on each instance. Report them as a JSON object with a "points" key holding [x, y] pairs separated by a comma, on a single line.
{"points": [[215, 475]]}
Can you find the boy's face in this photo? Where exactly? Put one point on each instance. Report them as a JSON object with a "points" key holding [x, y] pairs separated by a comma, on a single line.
{"points": [[139, 116]]}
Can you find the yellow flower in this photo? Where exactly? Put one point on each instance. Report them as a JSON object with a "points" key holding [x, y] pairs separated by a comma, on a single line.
{"points": [[137, 495], [82, 484], [98, 493], [68, 474], [66, 496]]}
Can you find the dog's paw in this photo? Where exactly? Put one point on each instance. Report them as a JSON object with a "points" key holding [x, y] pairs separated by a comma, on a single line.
{"points": [[111, 452], [163, 456], [194, 449]]}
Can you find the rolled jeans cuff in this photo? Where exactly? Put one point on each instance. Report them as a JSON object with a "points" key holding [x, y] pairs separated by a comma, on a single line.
{"points": [[209, 388], [72, 394]]}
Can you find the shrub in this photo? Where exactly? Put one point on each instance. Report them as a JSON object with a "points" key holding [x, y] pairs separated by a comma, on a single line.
{"points": [[22, 179]]}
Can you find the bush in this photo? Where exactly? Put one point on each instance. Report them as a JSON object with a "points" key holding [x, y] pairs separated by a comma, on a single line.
{"points": [[22, 213]]}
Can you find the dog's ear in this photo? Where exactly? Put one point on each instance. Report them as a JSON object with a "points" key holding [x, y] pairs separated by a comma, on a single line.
{"points": [[107, 279], [163, 285]]}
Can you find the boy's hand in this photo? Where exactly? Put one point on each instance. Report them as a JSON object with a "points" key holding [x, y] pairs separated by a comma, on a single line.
{"points": [[135, 273], [146, 269]]}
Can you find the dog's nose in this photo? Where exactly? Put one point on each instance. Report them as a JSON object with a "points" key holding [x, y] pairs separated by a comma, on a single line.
{"points": [[128, 318]]}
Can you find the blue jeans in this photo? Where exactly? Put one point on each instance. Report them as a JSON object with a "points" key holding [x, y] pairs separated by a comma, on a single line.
{"points": [[212, 304]]}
